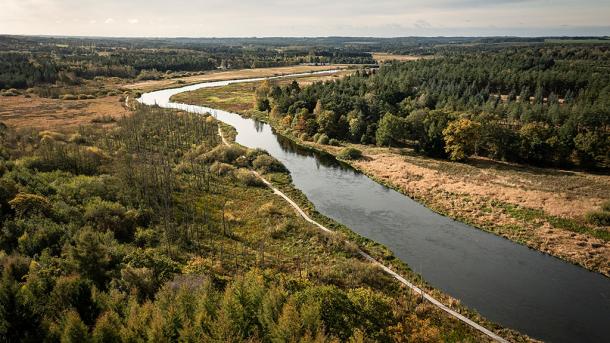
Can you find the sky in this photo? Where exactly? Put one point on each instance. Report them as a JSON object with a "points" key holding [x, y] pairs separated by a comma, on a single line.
{"points": [[260, 18]]}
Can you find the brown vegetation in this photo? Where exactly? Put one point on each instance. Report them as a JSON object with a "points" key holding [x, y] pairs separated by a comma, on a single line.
{"points": [[384, 57], [43, 113], [228, 75], [542, 208]]}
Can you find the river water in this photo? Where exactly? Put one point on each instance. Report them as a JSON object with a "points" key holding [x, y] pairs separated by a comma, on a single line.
{"points": [[508, 283]]}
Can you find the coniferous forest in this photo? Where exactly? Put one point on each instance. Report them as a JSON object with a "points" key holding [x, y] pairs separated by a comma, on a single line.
{"points": [[545, 105]]}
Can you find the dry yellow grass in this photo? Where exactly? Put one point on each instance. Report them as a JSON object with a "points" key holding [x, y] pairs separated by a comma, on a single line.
{"points": [[227, 75], [384, 57], [42, 113], [478, 192]]}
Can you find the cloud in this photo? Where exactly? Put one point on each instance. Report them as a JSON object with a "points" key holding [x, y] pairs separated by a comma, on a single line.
{"points": [[304, 18], [422, 24]]}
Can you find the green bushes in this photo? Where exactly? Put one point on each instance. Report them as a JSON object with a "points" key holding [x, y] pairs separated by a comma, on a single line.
{"points": [[350, 154], [334, 142], [247, 178], [25, 204], [601, 218], [268, 164], [322, 139], [220, 168], [224, 153], [111, 216]]}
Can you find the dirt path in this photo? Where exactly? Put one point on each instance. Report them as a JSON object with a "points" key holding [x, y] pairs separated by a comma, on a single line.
{"points": [[369, 258]]}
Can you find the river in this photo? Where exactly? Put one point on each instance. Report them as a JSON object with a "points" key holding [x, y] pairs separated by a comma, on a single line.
{"points": [[506, 282]]}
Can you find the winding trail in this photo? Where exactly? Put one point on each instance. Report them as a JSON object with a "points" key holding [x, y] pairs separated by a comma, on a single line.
{"points": [[369, 258]]}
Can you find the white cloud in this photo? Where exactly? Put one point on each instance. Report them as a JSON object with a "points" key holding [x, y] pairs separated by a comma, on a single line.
{"points": [[304, 18]]}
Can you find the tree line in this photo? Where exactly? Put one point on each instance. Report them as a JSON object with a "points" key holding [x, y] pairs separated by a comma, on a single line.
{"points": [[544, 106], [27, 62]]}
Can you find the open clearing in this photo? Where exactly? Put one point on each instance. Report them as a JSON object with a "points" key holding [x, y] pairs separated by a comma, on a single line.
{"points": [[228, 75], [43, 113], [384, 57]]}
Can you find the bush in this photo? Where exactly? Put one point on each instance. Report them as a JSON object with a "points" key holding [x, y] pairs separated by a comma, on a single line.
{"points": [[25, 204], [601, 218], [223, 153], [323, 139], [267, 164], [248, 178], [221, 169], [350, 154], [111, 216], [334, 142], [606, 206], [69, 97]]}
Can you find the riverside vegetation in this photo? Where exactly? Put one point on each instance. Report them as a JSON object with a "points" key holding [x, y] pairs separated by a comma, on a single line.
{"points": [[432, 111], [150, 229]]}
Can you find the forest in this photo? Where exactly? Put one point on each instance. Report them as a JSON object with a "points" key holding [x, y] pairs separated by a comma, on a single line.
{"points": [[31, 61], [546, 105], [153, 231]]}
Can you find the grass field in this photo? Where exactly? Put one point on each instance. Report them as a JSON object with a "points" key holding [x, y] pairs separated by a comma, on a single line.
{"points": [[384, 57], [227, 75], [239, 97], [541, 208], [44, 114]]}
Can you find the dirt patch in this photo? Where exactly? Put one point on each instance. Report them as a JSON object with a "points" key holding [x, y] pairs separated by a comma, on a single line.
{"points": [[43, 113]]}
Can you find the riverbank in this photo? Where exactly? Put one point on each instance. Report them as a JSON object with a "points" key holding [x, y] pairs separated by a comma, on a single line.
{"points": [[540, 208], [281, 184], [150, 85]]}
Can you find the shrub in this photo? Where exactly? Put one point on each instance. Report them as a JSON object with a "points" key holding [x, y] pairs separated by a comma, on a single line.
{"points": [[268, 164], [350, 154], [606, 206], [69, 97], [223, 153], [248, 178], [601, 218], [112, 216], [334, 142], [27, 204], [323, 139], [221, 169], [316, 137]]}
